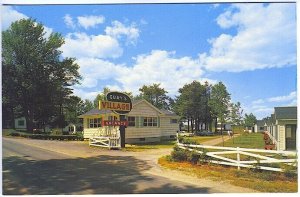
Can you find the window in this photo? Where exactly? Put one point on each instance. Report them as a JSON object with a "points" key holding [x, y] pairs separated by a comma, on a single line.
{"points": [[131, 121], [150, 122], [173, 121], [95, 123], [21, 122]]}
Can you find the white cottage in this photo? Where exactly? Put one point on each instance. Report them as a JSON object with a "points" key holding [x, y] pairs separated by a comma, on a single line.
{"points": [[146, 123], [282, 127]]}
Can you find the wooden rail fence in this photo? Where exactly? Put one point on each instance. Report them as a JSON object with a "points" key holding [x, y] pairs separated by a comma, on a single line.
{"points": [[244, 157]]}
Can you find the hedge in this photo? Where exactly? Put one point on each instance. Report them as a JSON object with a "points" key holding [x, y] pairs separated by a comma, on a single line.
{"points": [[48, 137]]}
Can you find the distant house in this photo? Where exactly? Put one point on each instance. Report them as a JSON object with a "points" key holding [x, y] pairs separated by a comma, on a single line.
{"points": [[20, 123], [146, 123], [282, 127], [259, 126]]}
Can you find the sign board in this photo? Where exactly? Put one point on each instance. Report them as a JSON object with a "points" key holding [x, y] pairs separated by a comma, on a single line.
{"points": [[115, 106], [122, 102], [115, 123]]}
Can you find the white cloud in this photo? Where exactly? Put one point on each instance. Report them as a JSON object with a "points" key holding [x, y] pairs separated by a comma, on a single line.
{"points": [[285, 98], [9, 15], [264, 107], [157, 67], [90, 21], [86, 94], [117, 30], [69, 21], [266, 37], [81, 45]]}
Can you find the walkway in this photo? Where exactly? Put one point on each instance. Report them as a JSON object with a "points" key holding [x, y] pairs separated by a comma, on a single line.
{"points": [[217, 141]]}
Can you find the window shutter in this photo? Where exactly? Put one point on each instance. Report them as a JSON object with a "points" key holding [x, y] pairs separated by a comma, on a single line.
{"points": [[158, 121], [88, 123], [141, 121], [136, 121]]}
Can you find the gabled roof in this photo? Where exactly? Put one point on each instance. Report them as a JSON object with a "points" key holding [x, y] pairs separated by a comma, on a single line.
{"points": [[287, 113], [168, 112], [135, 102], [96, 112]]}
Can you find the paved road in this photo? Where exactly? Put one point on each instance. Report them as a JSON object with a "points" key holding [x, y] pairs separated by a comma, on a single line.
{"points": [[51, 167]]}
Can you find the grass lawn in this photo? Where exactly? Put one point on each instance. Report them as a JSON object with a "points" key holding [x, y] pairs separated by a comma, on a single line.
{"points": [[148, 146], [165, 144], [246, 140], [201, 139], [260, 181]]}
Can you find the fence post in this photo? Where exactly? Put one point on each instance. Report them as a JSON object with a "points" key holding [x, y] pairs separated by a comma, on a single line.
{"points": [[238, 157], [177, 137]]}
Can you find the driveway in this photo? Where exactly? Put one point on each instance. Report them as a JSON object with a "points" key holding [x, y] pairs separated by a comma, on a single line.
{"points": [[57, 167]]}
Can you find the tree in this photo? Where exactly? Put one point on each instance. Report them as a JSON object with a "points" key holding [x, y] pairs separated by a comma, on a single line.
{"points": [[101, 97], [36, 78], [249, 120], [192, 104], [219, 103], [235, 115], [156, 96]]}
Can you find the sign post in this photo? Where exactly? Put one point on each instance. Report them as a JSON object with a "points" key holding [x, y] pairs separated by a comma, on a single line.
{"points": [[121, 104]]}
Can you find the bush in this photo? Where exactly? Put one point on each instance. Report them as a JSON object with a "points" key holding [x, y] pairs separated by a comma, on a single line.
{"points": [[179, 154], [290, 171], [188, 141], [15, 134], [203, 157], [193, 157]]}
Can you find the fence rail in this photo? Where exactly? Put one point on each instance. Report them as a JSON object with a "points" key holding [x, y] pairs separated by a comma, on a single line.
{"points": [[244, 157], [108, 137]]}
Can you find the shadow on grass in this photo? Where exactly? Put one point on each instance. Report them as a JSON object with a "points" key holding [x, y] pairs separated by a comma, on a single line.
{"points": [[94, 175]]}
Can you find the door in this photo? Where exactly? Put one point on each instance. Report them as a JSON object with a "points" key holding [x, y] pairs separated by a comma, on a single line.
{"points": [[290, 137]]}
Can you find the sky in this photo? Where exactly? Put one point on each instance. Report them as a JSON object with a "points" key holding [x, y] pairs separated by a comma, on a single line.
{"points": [[250, 47]]}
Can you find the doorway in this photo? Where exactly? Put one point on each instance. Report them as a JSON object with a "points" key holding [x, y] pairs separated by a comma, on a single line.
{"points": [[290, 136]]}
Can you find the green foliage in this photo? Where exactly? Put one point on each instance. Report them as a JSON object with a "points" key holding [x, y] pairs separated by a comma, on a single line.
{"points": [[235, 115], [156, 95], [188, 141], [179, 154], [193, 157], [47, 136], [36, 79], [192, 103], [219, 102], [203, 158], [290, 171], [249, 120]]}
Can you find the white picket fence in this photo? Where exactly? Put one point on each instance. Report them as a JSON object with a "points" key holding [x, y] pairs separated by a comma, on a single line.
{"points": [[259, 157], [107, 136]]}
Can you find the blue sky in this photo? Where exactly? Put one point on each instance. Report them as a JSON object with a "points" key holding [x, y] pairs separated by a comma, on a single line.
{"points": [[251, 48]]}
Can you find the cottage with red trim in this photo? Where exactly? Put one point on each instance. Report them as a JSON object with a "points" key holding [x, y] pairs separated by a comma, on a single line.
{"points": [[146, 123]]}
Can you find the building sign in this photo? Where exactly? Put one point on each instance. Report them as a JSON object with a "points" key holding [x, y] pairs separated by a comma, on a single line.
{"points": [[115, 123], [115, 106], [118, 102]]}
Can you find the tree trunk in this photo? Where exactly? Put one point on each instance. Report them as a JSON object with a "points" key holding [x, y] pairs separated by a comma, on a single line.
{"points": [[216, 124], [29, 120], [188, 124], [222, 133], [192, 124]]}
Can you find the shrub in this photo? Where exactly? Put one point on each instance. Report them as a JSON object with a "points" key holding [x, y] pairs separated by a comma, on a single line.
{"points": [[15, 134], [290, 171], [179, 154], [203, 157], [188, 141], [193, 157]]}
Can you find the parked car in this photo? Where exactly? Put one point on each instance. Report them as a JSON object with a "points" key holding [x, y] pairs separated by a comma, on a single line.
{"points": [[204, 133], [186, 134]]}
